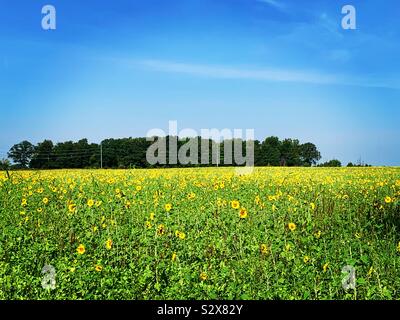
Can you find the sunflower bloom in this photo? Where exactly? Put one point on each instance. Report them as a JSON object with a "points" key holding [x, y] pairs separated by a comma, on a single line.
{"points": [[98, 268], [388, 199], [109, 244], [203, 276], [160, 229], [71, 208], [81, 249], [263, 248], [243, 213], [235, 204], [90, 203]]}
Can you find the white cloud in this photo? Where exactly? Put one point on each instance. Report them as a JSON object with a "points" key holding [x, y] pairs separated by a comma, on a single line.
{"points": [[329, 24], [273, 75], [213, 71], [274, 3]]}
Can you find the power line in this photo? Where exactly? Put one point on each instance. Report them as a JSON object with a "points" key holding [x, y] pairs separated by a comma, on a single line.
{"points": [[66, 153], [75, 153], [79, 151], [64, 157], [88, 152], [70, 151]]}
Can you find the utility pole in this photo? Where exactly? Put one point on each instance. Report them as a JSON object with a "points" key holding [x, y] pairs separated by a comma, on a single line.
{"points": [[218, 154], [101, 155]]}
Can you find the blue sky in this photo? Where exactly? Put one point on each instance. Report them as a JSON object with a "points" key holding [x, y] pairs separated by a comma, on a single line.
{"points": [[280, 67]]}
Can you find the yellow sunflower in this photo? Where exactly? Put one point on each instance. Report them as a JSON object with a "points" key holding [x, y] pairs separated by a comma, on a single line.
{"points": [[90, 203], [203, 276], [263, 248], [235, 204], [109, 244], [243, 213], [81, 249], [98, 268], [160, 229]]}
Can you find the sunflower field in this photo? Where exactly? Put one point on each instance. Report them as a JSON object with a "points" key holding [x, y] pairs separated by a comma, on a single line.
{"points": [[200, 233]]}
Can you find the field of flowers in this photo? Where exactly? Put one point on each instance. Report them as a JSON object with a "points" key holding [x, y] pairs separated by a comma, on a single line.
{"points": [[204, 233]]}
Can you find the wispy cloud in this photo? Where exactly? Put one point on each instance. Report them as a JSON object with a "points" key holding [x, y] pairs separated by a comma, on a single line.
{"points": [[225, 72], [273, 75], [329, 24], [274, 3]]}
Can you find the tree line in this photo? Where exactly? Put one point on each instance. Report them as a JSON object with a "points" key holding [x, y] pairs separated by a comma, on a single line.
{"points": [[131, 153]]}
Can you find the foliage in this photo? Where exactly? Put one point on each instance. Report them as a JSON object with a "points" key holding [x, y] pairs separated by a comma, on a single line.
{"points": [[200, 233], [359, 164], [331, 163], [5, 164], [309, 154], [21, 153], [131, 153]]}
